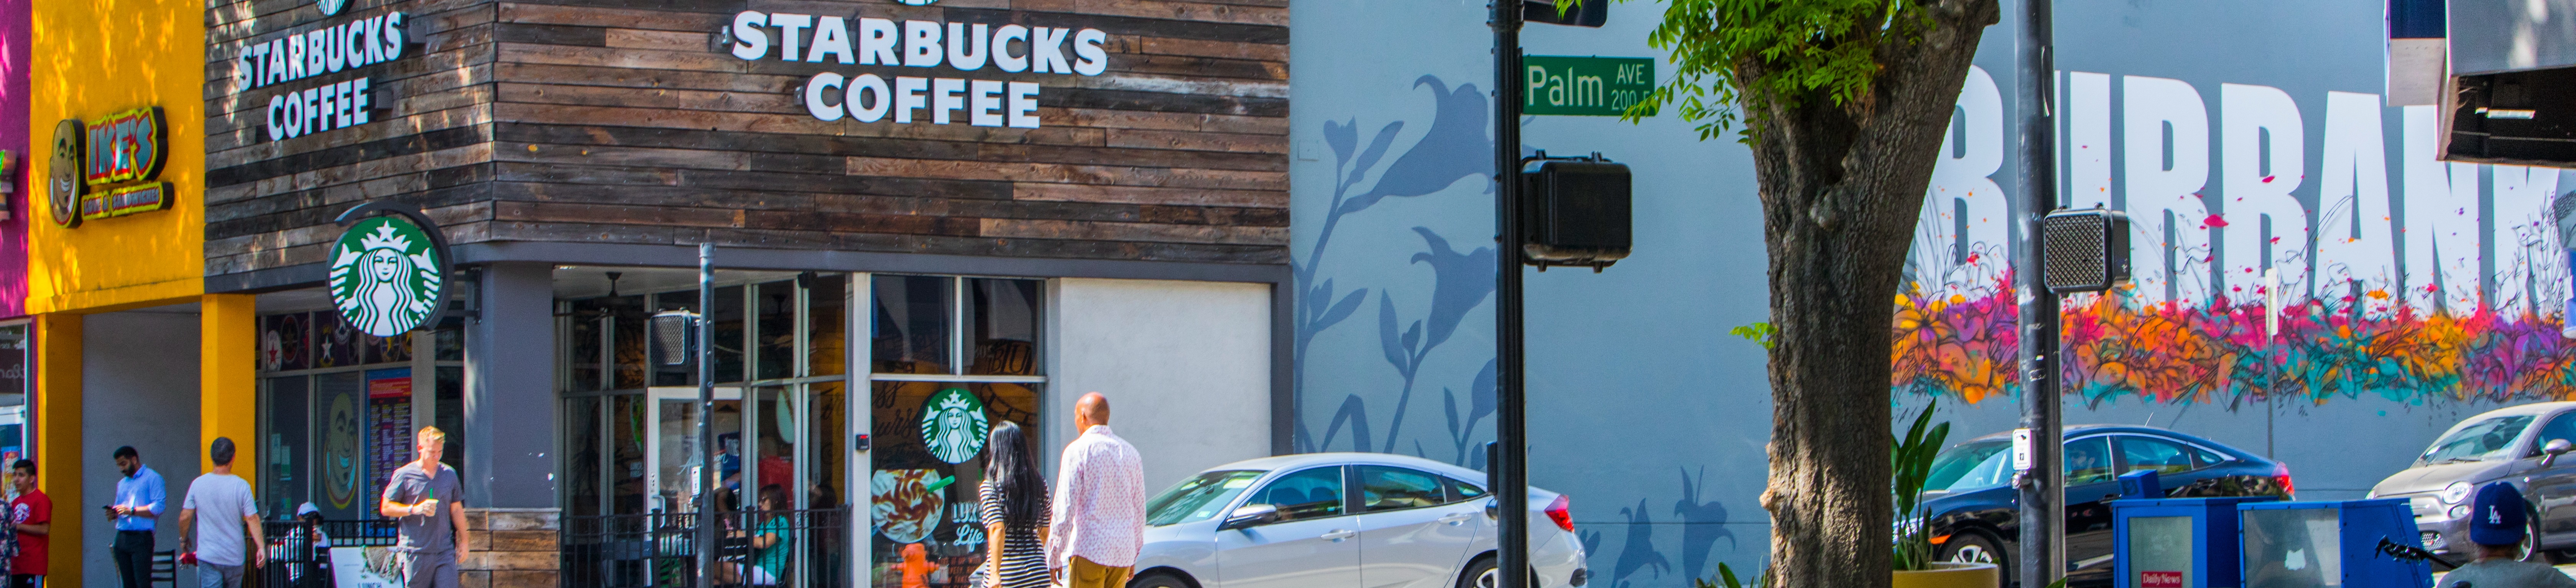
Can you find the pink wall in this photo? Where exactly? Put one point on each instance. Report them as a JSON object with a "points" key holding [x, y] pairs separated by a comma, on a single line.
{"points": [[14, 30]]}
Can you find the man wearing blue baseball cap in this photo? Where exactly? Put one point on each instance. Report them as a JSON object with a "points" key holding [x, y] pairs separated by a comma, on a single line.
{"points": [[2497, 524]]}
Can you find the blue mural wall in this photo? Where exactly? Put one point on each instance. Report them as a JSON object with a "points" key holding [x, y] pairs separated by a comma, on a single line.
{"points": [[1653, 418]]}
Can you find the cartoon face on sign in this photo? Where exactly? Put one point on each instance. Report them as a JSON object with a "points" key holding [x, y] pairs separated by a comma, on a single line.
{"points": [[63, 178]]}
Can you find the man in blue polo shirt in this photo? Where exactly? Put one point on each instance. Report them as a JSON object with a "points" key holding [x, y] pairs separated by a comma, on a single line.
{"points": [[139, 498]]}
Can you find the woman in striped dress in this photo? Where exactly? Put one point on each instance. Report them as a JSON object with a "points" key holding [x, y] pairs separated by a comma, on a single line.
{"points": [[1014, 498]]}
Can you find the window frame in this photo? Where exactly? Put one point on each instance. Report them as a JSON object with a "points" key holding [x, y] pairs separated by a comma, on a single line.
{"points": [[2540, 438], [1348, 496], [959, 325], [2111, 453], [1361, 482], [2190, 452]]}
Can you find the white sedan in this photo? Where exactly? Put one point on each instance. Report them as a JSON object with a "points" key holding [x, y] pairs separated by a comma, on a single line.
{"points": [[1344, 519]]}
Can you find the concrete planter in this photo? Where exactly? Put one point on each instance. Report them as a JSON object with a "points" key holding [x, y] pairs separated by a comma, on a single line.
{"points": [[1951, 575]]}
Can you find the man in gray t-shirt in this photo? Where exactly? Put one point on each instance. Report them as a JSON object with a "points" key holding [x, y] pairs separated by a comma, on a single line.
{"points": [[425, 496], [221, 521]]}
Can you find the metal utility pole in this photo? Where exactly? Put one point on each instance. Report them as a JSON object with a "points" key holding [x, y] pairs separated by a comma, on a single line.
{"points": [[706, 530], [2043, 494], [1511, 472]]}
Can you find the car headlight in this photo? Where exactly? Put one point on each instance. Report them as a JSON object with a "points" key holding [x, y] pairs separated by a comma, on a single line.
{"points": [[2459, 511], [2455, 493]]}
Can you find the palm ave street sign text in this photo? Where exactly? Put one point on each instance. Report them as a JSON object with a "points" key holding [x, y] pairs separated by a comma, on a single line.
{"points": [[1584, 86]]}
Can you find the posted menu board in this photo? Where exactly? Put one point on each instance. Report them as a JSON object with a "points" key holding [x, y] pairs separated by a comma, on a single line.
{"points": [[389, 430]]}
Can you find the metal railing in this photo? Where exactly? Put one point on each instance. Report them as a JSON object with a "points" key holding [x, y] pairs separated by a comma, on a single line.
{"points": [[796, 548], [295, 560]]}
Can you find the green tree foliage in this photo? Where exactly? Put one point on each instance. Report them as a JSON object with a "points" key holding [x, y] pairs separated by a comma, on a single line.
{"points": [[1761, 53]]}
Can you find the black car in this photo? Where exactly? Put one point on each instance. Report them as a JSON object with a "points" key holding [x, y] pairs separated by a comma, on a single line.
{"points": [[1972, 507]]}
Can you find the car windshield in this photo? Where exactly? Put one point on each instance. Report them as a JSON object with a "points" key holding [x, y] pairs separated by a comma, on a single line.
{"points": [[1198, 498], [1972, 466], [2482, 440]]}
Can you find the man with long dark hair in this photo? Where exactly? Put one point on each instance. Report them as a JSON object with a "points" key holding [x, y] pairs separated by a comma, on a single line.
{"points": [[1097, 523], [1014, 499]]}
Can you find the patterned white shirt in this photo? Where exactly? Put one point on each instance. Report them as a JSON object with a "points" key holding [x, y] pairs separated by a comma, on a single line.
{"points": [[1099, 507]]}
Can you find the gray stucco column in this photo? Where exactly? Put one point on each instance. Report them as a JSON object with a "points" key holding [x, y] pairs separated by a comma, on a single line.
{"points": [[509, 390]]}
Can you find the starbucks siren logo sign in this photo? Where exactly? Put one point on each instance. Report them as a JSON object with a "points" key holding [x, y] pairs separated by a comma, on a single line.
{"points": [[953, 425], [386, 275]]}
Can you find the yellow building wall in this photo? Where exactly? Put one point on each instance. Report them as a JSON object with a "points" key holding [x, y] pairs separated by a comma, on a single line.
{"points": [[91, 58], [58, 443]]}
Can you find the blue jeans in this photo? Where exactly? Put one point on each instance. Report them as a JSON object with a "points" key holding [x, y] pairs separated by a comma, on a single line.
{"points": [[218, 576]]}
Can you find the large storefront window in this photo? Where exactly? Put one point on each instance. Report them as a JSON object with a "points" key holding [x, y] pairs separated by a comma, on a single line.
{"points": [[631, 424], [953, 357], [338, 408]]}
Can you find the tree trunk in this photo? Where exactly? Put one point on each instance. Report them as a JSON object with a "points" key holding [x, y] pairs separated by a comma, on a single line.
{"points": [[1841, 189]]}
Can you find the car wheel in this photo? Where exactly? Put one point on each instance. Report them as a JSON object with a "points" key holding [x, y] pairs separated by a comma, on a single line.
{"points": [[1481, 574], [1160, 580], [2531, 551], [1974, 547]]}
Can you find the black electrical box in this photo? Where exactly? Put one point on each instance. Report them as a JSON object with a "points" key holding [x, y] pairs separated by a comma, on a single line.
{"points": [[2085, 250], [2514, 118], [1574, 211], [1587, 13]]}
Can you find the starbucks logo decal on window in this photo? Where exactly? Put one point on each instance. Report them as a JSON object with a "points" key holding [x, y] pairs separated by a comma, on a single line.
{"points": [[387, 275], [953, 426]]}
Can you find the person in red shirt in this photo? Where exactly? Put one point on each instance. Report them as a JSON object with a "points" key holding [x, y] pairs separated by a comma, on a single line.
{"points": [[32, 516]]}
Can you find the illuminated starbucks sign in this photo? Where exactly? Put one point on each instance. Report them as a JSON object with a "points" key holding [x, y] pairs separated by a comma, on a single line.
{"points": [[388, 274], [953, 426]]}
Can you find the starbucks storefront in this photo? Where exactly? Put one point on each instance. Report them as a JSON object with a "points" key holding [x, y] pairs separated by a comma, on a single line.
{"points": [[1081, 201]]}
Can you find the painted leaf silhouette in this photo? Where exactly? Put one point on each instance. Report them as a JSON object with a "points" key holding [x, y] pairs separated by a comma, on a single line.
{"points": [[1343, 137], [1340, 310], [1376, 149], [1387, 338], [1457, 146], [1459, 282]]}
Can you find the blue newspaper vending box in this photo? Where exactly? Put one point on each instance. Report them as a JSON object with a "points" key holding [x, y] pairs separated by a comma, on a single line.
{"points": [[2173, 542], [2319, 544]]}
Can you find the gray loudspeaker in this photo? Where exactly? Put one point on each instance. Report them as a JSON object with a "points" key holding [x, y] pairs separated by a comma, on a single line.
{"points": [[673, 343], [2085, 250]]}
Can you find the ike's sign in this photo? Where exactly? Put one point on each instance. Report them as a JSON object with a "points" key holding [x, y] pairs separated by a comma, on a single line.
{"points": [[110, 166]]}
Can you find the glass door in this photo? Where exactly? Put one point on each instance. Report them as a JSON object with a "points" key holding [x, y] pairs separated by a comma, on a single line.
{"points": [[674, 451]]}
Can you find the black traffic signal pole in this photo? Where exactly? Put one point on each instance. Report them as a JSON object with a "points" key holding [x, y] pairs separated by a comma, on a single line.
{"points": [[2042, 555], [706, 527], [1510, 472]]}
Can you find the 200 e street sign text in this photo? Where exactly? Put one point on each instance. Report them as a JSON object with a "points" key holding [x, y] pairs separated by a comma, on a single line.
{"points": [[1585, 86]]}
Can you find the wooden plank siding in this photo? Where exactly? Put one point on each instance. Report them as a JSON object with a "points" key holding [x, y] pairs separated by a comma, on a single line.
{"points": [[622, 121]]}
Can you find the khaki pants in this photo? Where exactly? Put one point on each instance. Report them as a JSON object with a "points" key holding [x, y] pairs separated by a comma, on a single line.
{"points": [[1084, 574]]}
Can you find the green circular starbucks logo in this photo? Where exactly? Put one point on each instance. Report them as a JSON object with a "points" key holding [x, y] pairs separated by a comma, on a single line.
{"points": [[953, 425], [385, 275]]}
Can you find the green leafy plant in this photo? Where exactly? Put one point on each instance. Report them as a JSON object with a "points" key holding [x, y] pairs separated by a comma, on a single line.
{"points": [[1911, 465], [1726, 579], [1759, 333]]}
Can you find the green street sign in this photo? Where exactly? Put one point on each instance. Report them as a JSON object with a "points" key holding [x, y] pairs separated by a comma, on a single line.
{"points": [[1585, 86], [387, 275]]}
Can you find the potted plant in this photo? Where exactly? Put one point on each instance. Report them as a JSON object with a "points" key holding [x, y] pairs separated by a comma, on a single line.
{"points": [[1911, 459]]}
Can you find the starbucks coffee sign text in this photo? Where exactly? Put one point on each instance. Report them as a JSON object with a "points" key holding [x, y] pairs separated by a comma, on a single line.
{"points": [[962, 47], [311, 108]]}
